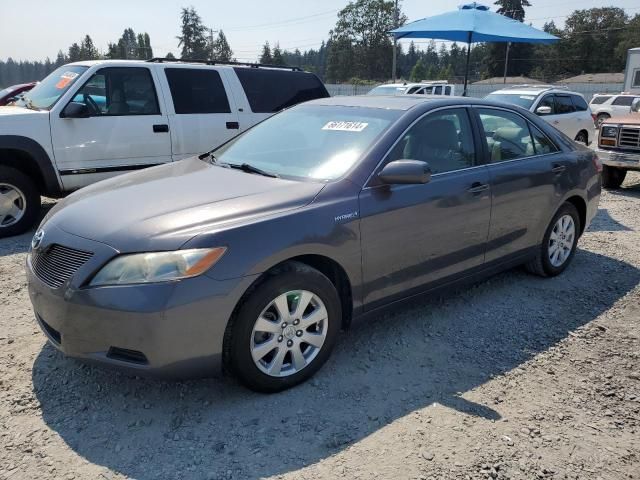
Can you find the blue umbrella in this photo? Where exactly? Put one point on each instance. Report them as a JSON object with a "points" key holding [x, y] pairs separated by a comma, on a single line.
{"points": [[473, 23]]}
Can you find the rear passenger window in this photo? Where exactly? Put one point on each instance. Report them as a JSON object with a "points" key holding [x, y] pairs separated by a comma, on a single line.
{"points": [[541, 142], [564, 104], [197, 91], [623, 101], [507, 135], [271, 90], [599, 99], [579, 103]]}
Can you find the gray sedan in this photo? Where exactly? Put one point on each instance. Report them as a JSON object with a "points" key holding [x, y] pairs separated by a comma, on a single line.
{"points": [[258, 254]]}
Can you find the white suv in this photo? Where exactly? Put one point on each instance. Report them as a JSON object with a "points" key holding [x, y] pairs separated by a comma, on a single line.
{"points": [[431, 87], [565, 110], [604, 106], [88, 121]]}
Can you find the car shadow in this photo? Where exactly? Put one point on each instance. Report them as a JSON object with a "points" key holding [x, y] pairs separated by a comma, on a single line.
{"points": [[21, 243], [604, 222], [432, 350]]}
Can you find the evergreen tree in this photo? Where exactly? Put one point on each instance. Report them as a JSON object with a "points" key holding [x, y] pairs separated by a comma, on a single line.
{"points": [[193, 40], [418, 72], [221, 50], [74, 54], [519, 53], [277, 55], [266, 57]]}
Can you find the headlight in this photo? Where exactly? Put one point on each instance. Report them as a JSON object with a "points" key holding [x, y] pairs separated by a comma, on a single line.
{"points": [[157, 266], [609, 131]]}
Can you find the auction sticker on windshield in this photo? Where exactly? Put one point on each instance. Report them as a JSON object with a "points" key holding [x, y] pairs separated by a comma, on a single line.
{"points": [[65, 79], [345, 126]]}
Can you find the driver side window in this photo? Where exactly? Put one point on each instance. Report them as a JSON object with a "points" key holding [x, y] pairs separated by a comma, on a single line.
{"points": [[443, 139], [119, 91]]}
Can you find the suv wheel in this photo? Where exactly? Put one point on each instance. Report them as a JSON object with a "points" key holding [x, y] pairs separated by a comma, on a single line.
{"points": [[601, 118], [559, 243], [612, 177], [583, 138], [284, 330], [19, 202]]}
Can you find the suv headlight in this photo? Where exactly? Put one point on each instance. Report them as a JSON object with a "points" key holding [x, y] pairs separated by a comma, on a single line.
{"points": [[609, 131], [157, 266]]}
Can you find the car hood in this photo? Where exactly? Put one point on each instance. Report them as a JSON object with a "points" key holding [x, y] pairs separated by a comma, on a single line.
{"points": [[161, 208], [20, 111], [628, 119]]}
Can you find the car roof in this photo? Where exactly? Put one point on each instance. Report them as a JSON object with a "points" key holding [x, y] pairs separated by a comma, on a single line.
{"points": [[398, 102], [534, 91]]}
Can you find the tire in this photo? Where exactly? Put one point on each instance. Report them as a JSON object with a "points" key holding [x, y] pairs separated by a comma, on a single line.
{"points": [[601, 118], [582, 137], [256, 367], [19, 202], [612, 177], [543, 263]]}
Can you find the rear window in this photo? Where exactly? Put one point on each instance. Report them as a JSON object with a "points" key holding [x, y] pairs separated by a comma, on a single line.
{"points": [[600, 99], [270, 91], [197, 91], [579, 103]]}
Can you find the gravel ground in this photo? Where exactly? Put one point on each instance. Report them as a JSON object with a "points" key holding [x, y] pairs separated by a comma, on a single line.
{"points": [[517, 377]]}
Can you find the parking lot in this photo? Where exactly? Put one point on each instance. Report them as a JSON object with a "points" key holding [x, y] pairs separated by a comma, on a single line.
{"points": [[515, 377]]}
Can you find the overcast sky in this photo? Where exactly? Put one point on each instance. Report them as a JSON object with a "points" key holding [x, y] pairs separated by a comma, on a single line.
{"points": [[42, 27]]}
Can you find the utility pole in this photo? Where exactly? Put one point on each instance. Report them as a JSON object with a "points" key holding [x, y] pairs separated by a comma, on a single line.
{"points": [[395, 42]]}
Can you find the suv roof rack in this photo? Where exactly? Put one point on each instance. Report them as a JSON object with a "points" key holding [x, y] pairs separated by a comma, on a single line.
{"points": [[212, 62], [430, 82], [537, 85]]}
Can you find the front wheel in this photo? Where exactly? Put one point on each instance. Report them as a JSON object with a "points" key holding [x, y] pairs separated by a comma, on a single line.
{"points": [[284, 330], [19, 202], [559, 243], [612, 177]]}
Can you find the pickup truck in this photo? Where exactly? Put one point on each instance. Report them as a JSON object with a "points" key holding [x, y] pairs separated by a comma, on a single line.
{"points": [[619, 146], [88, 121]]}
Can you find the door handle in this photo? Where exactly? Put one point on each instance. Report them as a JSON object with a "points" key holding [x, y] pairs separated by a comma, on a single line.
{"points": [[557, 169], [233, 125], [162, 128], [477, 187]]}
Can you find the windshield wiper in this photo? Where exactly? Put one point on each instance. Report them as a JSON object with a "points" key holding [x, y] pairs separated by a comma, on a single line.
{"points": [[28, 103], [245, 167]]}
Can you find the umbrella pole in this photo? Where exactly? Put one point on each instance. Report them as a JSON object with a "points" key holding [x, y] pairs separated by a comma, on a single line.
{"points": [[466, 72], [506, 63]]}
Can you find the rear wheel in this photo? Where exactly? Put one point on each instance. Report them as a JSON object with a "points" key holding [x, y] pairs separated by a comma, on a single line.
{"points": [[583, 138], [559, 243], [612, 177], [601, 118], [19, 202], [285, 329]]}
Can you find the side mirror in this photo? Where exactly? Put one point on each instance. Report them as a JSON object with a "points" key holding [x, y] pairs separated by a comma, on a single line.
{"points": [[635, 105], [544, 110], [405, 172], [75, 110]]}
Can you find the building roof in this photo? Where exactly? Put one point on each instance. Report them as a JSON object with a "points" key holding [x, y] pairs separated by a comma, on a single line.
{"points": [[596, 78], [510, 81]]}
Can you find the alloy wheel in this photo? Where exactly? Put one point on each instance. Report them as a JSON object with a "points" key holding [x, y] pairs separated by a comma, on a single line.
{"points": [[13, 204], [289, 333], [561, 240]]}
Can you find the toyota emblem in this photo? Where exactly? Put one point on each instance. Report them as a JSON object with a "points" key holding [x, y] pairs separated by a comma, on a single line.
{"points": [[37, 239]]}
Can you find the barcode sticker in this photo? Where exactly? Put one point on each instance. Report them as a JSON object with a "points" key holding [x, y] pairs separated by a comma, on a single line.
{"points": [[346, 126]]}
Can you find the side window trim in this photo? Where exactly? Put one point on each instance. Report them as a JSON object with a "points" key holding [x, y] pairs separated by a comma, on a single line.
{"points": [[529, 124], [381, 164]]}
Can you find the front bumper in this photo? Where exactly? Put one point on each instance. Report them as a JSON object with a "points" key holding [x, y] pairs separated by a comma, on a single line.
{"points": [[612, 158], [172, 329]]}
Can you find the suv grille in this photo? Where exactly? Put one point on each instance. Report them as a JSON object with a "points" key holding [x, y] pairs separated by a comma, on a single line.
{"points": [[57, 264], [629, 137]]}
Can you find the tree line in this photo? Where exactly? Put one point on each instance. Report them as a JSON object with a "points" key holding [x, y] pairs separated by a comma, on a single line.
{"points": [[359, 49]]}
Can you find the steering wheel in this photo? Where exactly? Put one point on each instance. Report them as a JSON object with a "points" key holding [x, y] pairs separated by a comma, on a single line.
{"points": [[91, 102]]}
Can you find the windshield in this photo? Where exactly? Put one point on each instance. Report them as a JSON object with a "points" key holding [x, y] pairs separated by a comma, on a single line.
{"points": [[521, 100], [5, 91], [45, 95], [309, 141], [387, 90]]}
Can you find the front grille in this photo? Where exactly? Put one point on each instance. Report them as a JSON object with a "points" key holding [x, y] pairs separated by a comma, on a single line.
{"points": [[629, 137], [57, 264]]}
